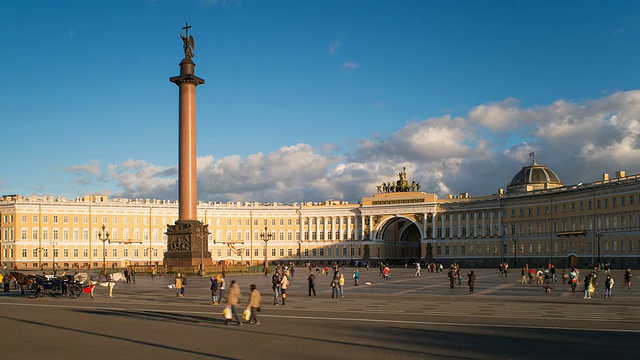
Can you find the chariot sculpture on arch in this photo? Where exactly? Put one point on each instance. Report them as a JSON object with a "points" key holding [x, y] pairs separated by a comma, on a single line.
{"points": [[400, 185]]}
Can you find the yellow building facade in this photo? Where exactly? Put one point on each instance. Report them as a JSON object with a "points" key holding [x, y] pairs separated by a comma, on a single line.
{"points": [[536, 221]]}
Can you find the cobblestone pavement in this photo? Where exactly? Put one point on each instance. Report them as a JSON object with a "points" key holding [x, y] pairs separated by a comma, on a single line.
{"points": [[404, 317]]}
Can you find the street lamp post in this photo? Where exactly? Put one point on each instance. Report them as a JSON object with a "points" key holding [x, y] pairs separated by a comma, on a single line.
{"points": [[598, 235], [201, 271], [266, 236], [515, 252], [54, 243], [104, 237]]}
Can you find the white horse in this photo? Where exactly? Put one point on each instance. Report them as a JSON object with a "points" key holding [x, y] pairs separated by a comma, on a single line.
{"points": [[110, 282]]}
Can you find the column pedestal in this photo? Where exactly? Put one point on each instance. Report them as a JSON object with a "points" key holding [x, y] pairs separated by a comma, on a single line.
{"points": [[187, 244]]}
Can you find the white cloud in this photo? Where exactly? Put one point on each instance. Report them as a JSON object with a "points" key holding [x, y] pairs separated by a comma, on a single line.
{"points": [[579, 141], [499, 115], [93, 168], [350, 66], [333, 47]]}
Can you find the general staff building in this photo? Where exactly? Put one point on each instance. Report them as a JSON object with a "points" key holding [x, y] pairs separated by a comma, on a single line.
{"points": [[536, 220]]}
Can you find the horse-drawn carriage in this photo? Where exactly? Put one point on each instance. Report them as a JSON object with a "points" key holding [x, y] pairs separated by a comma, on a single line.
{"points": [[34, 286], [40, 285]]}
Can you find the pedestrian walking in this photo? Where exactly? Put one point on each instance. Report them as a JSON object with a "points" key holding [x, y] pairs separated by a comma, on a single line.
{"points": [[284, 283], [573, 280], [385, 273], [356, 277], [232, 301], [472, 280], [341, 284], [312, 284], [452, 278], [179, 284], [275, 286], [608, 286], [335, 284], [627, 278], [587, 287], [254, 304], [418, 269], [222, 284], [215, 289]]}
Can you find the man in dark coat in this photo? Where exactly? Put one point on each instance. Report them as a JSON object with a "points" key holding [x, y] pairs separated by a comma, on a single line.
{"points": [[472, 280], [312, 284]]}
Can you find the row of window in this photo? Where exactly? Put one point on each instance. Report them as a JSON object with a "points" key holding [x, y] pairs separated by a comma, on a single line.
{"points": [[8, 253], [608, 247], [55, 234], [600, 203], [290, 252], [125, 220], [85, 219]]}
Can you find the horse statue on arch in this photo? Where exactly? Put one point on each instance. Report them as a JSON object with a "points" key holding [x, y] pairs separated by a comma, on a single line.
{"points": [[108, 280]]}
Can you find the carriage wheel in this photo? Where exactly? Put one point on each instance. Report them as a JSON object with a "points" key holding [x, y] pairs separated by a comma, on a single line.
{"points": [[56, 289], [74, 291], [33, 290], [42, 291]]}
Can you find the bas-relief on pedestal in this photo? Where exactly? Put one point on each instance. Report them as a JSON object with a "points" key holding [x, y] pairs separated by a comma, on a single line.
{"points": [[187, 244]]}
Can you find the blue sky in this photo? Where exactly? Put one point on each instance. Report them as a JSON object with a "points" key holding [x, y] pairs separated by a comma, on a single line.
{"points": [[316, 100]]}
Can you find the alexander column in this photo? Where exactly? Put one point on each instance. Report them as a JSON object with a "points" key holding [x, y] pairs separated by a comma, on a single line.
{"points": [[187, 243]]}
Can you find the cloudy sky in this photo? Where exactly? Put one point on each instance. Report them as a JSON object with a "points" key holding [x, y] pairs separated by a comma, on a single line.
{"points": [[316, 100]]}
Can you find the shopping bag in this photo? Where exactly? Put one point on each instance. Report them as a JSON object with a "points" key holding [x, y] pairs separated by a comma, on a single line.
{"points": [[226, 313], [246, 315]]}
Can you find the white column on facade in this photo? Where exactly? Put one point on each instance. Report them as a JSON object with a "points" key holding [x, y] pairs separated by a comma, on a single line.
{"points": [[468, 214], [434, 220], [460, 224], [443, 227], [334, 223], [484, 217], [475, 224], [424, 226], [371, 227], [500, 223], [348, 227], [361, 230], [491, 223], [340, 229], [310, 229]]}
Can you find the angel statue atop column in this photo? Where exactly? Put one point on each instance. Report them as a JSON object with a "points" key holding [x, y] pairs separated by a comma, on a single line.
{"points": [[189, 45]]}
